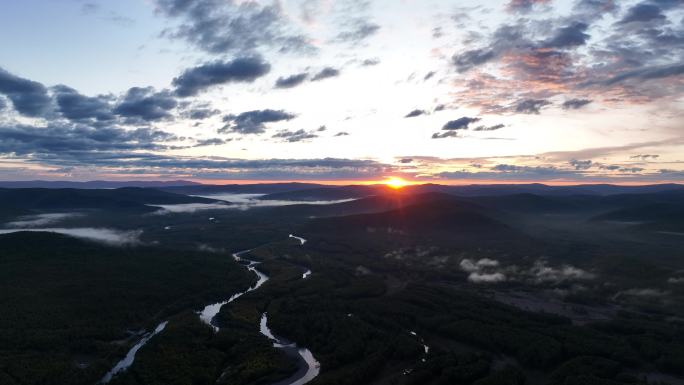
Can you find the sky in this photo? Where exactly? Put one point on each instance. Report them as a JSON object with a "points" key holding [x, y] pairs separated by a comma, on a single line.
{"points": [[454, 92]]}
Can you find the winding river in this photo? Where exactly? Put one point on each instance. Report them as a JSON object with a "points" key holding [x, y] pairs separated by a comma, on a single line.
{"points": [[308, 366]]}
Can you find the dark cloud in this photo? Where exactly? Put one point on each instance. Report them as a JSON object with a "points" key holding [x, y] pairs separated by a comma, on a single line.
{"points": [[446, 134], [291, 81], [440, 107], [574, 104], [429, 75], [619, 168], [60, 140], [648, 73], [570, 36], [295, 136], [531, 106], [357, 31], [415, 113], [145, 104], [28, 97], [524, 5], [201, 113], [581, 164], [643, 12], [221, 26], [473, 58], [74, 106], [460, 123], [342, 133], [510, 168], [370, 62], [406, 160], [211, 142], [197, 79], [321, 128], [327, 72], [645, 156], [489, 128], [253, 122]]}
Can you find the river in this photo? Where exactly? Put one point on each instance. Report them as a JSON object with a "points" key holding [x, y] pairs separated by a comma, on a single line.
{"points": [[308, 366]]}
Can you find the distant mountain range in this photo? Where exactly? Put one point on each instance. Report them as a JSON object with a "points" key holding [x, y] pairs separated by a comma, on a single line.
{"points": [[314, 191], [95, 184], [359, 191], [128, 198]]}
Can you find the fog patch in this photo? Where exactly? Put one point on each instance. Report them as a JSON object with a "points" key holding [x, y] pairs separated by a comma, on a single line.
{"points": [[107, 236], [209, 249], [476, 277], [543, 273], [643, 293], [190, 208], [675, 280], [486, 270], [248, 201], [40, 220], [483, 270]]}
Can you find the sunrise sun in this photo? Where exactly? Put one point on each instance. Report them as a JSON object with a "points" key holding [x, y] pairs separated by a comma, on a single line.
{"points": [[395, 182]]}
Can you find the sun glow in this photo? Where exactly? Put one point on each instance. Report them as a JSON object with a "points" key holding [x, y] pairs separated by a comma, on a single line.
{"points": [[395, 182]]}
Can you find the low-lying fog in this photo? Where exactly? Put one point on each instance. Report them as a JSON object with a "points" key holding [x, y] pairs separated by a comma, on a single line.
{"points": [[108, 236], [245, 201], [236, 202], [39, 220]]}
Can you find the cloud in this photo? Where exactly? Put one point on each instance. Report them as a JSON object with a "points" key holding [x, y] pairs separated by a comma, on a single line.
{"points": [[240, 70], [327, 72], [469, 59], [646, 292], [291, 81], [253, 122], [648, 73], [342, 133], [581, 164], [211, 142], [40, 220], [460, 123], [524, 5], [644, 156], [570, 36], [60, 140], [146, 104], [370, 62], [642, 12], [200, 113], [295, 136], [482, 270], [191, 207], [468, 265], [486, 277], [542, 273], [224, 26], [28, 97], [489, 128], [108, 236], [531, 106], [575, 104], [447, 134], [415, 113], [74, 106], [357, 31]]}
